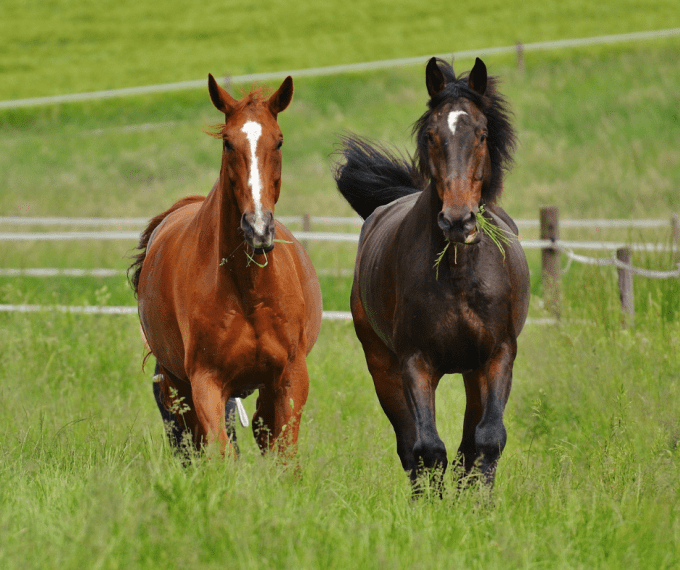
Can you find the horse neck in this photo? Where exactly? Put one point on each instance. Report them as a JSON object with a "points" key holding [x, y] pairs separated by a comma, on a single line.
{"points": [[219, 223]]}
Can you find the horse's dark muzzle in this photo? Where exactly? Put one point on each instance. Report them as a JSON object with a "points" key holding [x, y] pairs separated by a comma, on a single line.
{"points": [[259, 233], [459, 230]]}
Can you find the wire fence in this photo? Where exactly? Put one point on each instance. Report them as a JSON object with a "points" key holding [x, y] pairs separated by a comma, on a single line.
{"points": [[338, 69], [549, 244]]}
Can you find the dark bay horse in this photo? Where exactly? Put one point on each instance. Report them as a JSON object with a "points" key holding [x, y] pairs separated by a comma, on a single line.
{"points": [[417, 322], [224, 308]]}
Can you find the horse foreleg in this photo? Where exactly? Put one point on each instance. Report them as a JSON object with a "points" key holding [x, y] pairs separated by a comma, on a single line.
{"points": [[420, 383], [386, 373], [209, 401], [487, 391], [276, 423]]}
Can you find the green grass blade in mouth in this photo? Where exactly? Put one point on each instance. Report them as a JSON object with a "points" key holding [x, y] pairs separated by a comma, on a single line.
{"points": [[498, 235], [439, 259]]}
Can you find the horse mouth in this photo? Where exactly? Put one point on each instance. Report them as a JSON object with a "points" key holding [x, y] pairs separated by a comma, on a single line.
{"points": [[473, 236], [263, 249]]}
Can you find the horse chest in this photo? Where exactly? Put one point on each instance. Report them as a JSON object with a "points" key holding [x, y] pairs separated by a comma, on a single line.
{"points": [[453, 329], [260, 342]]}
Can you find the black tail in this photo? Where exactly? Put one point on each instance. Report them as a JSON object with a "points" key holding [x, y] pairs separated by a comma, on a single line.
{"points": [[373, 176]]}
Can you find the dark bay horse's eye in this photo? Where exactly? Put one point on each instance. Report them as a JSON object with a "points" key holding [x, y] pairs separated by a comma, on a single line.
{"points": [[482, 139], [430, 137]]}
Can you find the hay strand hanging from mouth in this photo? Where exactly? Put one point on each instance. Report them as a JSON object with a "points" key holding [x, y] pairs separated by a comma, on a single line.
{"points": [[499, 236]]}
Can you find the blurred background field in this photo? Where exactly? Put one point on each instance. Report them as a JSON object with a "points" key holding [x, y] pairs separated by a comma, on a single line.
{"points": [[589, 477]]}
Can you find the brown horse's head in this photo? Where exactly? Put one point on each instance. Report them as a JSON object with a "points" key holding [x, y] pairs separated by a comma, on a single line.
{"points": [[460, 146], [251, 158]]}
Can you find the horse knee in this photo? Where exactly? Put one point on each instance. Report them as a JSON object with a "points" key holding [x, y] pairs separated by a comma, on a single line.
{"points": [[490, 439], [431, 452]]}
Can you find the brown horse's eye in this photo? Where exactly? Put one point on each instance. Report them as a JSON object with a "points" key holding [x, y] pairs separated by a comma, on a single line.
{"points": [[227, 145], [430, 137], [278, 146], [482, 139]]}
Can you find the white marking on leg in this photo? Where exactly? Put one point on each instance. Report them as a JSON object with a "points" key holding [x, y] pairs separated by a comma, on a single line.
{"points": [[453, 118], [253, 131]]}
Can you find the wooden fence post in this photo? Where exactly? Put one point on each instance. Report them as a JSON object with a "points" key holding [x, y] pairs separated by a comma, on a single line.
{"points": [[626, 287], [550, 258], [305, 228]]}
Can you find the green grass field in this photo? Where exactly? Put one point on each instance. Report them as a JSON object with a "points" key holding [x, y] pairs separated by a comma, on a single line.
{"points": [[59, 46], [589, 476]]}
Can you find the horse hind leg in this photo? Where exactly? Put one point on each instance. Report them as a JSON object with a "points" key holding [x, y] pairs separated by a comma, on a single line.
{"points": [[173, 398]]}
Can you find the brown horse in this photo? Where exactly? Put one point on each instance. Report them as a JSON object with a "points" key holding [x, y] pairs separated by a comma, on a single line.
{"points": [[417, 322], [224, 311]]}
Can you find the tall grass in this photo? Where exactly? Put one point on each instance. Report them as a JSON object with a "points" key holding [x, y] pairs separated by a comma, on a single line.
{"points": [[588, 478]]}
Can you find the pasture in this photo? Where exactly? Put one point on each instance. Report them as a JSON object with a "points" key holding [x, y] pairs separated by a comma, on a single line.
{"points": [[589, 476]]}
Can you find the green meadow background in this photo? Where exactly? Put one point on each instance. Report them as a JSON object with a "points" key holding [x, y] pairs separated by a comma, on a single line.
{"points": [[589, 478]]}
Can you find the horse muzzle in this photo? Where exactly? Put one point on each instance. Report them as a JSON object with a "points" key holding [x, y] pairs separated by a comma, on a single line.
{"points": [[459, 229], [259, 231]]}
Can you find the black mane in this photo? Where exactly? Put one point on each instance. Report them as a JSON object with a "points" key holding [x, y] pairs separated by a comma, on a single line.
{"points": [[501, 140]]}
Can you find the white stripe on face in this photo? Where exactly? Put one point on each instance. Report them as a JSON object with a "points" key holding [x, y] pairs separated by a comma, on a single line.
{"points": [[253, 131], [453, 118]]}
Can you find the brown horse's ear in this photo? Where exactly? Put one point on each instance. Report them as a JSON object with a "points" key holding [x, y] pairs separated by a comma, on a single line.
{"points": [[434, 78], [282, 98], [477, 78], [220, 97]]}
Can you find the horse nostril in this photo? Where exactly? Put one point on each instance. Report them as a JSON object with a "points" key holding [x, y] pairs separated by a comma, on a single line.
{"points": [[444, 222], [470, 222], [246, 226]]}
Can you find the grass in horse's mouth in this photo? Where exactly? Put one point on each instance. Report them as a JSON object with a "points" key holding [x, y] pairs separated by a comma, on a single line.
{"points": [[266, 260], [498, 235]]}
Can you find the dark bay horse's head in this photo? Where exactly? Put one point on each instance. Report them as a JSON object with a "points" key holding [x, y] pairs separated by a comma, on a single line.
{"points": [[462, 142], [251, 158]]}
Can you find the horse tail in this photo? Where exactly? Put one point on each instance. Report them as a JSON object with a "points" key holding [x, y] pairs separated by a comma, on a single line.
{"points": [[373, 176], [135, 269]]}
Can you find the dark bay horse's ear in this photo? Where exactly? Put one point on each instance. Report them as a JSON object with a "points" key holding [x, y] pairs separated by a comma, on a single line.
{"points": [[220, 97], [434, 78], [282, 98], [477, 78]]}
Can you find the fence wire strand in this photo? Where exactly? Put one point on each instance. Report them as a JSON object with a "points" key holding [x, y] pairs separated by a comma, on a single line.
{"points": [[604, 261]]}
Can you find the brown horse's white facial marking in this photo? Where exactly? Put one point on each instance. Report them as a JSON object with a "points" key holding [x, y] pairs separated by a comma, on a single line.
{"points": [[453, 118], [253, 131]]}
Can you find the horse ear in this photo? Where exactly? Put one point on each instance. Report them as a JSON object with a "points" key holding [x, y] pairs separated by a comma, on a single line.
{"points": [[434, 78], [282, 98], [477, 78], [220, 97]]}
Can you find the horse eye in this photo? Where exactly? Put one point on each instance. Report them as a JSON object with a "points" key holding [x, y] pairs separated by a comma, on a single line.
{"points": [[482, 138], [430, 137], [227, 145], [278, 146]]}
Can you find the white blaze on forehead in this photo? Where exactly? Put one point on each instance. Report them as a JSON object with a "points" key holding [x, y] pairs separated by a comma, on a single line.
{"points": [[453, 118], [253, 131]]}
